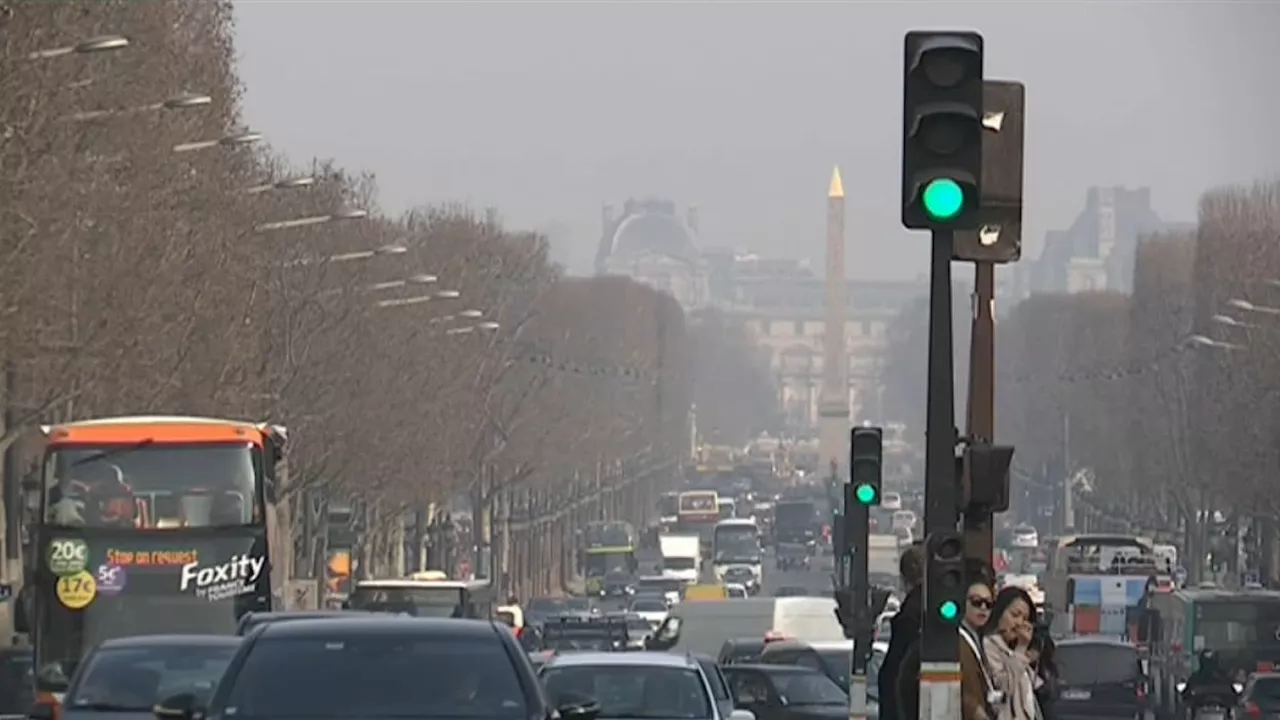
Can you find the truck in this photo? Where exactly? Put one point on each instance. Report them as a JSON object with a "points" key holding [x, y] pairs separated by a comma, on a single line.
{"points": [[882, 555], [680, 556]]}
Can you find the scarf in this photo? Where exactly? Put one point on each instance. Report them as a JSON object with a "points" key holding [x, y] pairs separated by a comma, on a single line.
{"points": [[1011, 672]]}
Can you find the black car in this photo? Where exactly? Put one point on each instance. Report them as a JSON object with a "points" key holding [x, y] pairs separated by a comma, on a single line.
{"points": [[125, 678], [391, 667], [741, 650], [786, 692], [1260, 697], [16, 680], [719, 683], [830, 657], [617, 584], [1099, 678]]}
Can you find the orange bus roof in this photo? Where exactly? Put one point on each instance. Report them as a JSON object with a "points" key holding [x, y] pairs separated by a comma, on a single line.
{"points": [[159, 429]]}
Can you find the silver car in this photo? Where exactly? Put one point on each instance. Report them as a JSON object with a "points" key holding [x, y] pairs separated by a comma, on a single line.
{"points": [[635, 686]]}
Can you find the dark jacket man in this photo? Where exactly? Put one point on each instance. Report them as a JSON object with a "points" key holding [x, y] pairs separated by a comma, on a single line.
{"points": [[904, 634]]}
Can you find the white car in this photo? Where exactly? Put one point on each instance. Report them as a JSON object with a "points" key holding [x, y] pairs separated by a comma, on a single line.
{"points": [[891, 501], [736, 591], [653, 609], [1025, 536]]}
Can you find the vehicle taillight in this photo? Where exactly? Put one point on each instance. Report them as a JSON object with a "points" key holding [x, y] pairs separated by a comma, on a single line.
{"points": [[1141, 691], [1252, 710]]}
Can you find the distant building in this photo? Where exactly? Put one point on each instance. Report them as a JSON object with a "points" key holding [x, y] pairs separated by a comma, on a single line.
{"points": [[650, 243], [1096, 252]]}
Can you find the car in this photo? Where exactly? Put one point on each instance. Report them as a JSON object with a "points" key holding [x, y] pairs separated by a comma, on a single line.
{"points": [[741, 650], [786, 692], [1099, 677], [653, 608], [736, 591], [16, 680], [830, 657], [719, 685], [374, 667], [651, 685], [1260, 697], [129, 676], [891, 501], [1025, 536]]}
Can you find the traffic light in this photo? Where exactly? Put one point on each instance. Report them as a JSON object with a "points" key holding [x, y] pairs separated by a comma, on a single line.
{"points": [[998, 236], [944, 588], [942, 130], [985, 477], [865, 453]]}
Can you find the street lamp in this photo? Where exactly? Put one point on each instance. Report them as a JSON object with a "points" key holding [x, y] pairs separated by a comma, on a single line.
{"points": [[387, 285], [488, 325], [181, 101], [336, 216], [294, 183], [1229, 321], [102, 43], [1242, 304], [1208, 342], [349, 256], [471, 314], [418, 299], [246, 137]]}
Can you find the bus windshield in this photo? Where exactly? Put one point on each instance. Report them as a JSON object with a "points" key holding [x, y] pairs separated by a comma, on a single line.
{"points": [[153, 486], [737, 544]]}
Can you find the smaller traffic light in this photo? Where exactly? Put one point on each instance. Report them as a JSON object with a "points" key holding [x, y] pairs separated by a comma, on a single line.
{"points": [[985, 477], [944, 577], [865, 471]]}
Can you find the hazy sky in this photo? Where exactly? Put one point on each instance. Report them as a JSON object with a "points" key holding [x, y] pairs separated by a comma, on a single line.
{"points": [[548, 109]]}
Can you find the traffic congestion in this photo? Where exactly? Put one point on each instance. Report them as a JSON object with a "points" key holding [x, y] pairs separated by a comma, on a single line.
{"points": [[720, 608]]}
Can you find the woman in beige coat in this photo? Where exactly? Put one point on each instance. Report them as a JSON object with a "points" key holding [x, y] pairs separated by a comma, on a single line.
{"points": [[1008, 633]]}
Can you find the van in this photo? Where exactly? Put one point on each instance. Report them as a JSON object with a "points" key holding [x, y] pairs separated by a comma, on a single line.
{"points": [[702, 627]]}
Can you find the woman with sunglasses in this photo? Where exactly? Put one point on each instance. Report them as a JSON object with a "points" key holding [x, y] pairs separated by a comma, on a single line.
{"points": [[977, 691], [1008, 635]]}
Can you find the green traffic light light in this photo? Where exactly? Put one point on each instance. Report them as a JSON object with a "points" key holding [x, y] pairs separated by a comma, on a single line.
{"points": [[948, 610], [943, 199], [866, 494]]}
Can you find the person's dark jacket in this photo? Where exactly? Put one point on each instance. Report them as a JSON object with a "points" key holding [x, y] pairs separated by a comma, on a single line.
{"points": [[1209, 684], [1047, 694], [904, 636]]}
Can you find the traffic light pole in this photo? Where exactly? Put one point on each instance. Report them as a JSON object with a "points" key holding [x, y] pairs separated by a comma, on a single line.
{"points": [[861, 493], [979, 542], [939, 655]]}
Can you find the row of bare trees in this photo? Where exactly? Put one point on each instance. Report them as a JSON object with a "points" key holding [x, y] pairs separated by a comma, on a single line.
{"points": [[1157, 411], [157, 256]]}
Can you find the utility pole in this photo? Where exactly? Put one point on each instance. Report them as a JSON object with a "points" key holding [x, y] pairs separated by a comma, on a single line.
{"points": [[998, 240], [941, 192]]}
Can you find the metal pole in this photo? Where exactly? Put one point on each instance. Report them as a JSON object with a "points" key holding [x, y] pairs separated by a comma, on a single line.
{"points": [[859, 524], [940, 661], [978, 540], [12, 483]]}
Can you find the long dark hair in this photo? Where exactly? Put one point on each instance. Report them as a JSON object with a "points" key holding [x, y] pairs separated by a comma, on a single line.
{"points": [[1004, 599], [1041, 641]]}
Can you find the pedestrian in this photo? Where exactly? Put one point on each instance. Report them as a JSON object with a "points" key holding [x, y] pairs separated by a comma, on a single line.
{"points": [[978, 699], [905, 634], [1008, 634], [1040, 653]]}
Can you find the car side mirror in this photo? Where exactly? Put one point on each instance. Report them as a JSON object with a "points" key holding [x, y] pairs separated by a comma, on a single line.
{"points": [[41, 711], [182, 706]]}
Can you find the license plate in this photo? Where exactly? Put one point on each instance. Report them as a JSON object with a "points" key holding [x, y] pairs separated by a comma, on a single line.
{"points": [[1076, 694]]}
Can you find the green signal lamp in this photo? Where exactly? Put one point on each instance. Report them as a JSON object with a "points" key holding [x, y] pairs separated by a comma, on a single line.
{"points": [[866, 494], [948, 610], [943, 199]]}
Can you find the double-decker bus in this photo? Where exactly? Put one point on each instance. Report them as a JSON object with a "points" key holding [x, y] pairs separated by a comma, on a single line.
{"points": [[148, 525], [609, 546], [736, 544], [1094, 581], [1241, 626], [699, 511]]}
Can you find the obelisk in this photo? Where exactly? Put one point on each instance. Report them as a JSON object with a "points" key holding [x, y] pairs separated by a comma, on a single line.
{"points": [[833, 396]]}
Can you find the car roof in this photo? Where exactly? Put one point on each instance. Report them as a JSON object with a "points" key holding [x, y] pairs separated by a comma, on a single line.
{"points": [[139, 641], [771, 668], [386, 626], [628, 659], [1094, 640]]}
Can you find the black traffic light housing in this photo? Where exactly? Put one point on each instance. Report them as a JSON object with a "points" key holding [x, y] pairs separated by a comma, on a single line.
{"points": [[944, 582], [866, 454], [942, 124], [985, 477]]}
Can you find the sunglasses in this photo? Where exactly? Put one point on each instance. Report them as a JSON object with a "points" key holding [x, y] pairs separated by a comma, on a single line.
{"points": [[980, 603]]}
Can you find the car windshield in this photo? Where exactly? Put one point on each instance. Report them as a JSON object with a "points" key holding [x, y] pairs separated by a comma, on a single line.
{"points": [[636, 692], [809, 688], [137, 678], [376, 676], [1096, 664]]}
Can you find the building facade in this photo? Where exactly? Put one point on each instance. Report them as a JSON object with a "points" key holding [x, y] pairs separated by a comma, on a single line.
{"points": [[652, 244]]}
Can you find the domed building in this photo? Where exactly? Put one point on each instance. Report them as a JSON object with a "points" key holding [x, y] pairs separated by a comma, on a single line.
{"points": [[650, 243]]}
